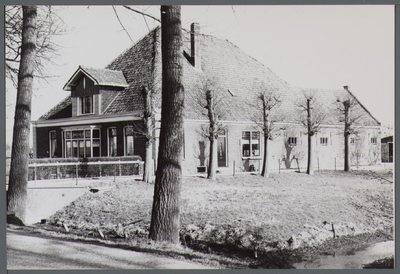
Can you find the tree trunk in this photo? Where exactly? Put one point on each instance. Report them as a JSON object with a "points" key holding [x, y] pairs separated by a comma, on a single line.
{"points": [[310, 160], [265, 169], [346, 151], [213, 159], [346, 136], [149, 127], [18, 180], [165, 219], [148, 161]]}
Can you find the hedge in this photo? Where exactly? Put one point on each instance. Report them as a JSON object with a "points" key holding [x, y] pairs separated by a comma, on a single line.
{"points": [[85, 167]]}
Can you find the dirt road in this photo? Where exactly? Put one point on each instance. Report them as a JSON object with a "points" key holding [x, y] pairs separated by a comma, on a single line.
{"points": [[36, 252]]}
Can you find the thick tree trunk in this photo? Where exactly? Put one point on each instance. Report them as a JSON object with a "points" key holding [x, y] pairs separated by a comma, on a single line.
{"points": [[165, 219], [148, 127], [18, 180], [265, 169], [212, 163], [310, 160]]}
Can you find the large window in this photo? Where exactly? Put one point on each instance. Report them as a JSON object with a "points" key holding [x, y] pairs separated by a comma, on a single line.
{"points": [[129, 141], [250, 143], [52, 144], [112, 141], [82, 143], [86, 104]]}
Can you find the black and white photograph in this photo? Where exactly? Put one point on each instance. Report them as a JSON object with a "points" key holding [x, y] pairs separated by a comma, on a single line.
{"points": [[199, 137]]}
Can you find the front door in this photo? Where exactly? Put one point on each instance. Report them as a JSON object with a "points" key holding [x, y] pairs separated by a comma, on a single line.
{"points": [[221, 143]]}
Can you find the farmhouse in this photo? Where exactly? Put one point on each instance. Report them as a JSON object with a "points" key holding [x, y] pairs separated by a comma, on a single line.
{"points": [[103, 112]]}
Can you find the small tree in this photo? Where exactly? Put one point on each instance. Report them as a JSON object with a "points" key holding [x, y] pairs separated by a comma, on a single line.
{"points": [[350, 115], [210, 100], [311, 116], [266, 102], [148, 118]]}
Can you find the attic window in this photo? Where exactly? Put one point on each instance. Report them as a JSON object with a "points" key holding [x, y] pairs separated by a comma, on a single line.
{"points": [[86, 103]]}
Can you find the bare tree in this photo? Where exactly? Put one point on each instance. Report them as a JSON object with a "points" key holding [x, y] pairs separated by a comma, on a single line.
{"points": [[49, 25], [18, 180], [311, 116], [210, 100], [267, 100], [165, 218], [148, 117], [350, 116]]}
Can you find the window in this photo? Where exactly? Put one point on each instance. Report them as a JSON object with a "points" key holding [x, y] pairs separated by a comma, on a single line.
{"points": [[52, 144], [250, 143], [374, 141], [129, 141], [323, 141], [292, 141], [82, 143], [352, 141], [86, 104], [112, 142]]}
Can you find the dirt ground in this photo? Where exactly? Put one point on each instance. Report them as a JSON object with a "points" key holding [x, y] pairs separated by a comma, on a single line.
{"points": [[249, 213]]}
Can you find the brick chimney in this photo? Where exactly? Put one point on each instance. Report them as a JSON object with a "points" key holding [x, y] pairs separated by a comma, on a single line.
{"points": [[195, 45]]}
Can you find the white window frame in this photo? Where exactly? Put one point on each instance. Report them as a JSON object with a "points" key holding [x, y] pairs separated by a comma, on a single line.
{"points": [[323, 141], [125, 141], [84, 139], [81, 105], [250, 144], [50, 143], [108, 141]]}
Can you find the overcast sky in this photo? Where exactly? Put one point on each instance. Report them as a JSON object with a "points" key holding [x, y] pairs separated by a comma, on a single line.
{"points": [[308, 46]]}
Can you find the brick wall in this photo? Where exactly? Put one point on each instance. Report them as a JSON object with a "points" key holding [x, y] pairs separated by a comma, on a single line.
{"points": [[328, 155]]}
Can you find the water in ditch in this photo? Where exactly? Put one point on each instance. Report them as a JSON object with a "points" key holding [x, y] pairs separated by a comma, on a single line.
{"points": [[354, 261]]}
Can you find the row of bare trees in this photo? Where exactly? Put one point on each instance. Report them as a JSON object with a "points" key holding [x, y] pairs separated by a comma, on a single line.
{"points": [[311, 115]]}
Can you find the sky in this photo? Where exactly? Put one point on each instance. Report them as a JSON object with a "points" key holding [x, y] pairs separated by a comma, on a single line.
{"points": [[324, 47]]}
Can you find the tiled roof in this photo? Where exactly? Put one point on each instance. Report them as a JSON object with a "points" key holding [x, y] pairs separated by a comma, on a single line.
{"points": [[102, 77], [66, 102], [235, 73], [107, 77]]}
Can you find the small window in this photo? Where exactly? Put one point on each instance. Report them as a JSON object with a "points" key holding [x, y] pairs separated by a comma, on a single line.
{"points": [[374, 141], [352, 141], [292, 141], [112, 142], [323, 141], [250, 143], [86, 104], [53, 144], [129, 141]]}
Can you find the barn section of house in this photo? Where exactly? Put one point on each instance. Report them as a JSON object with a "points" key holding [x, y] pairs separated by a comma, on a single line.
{"points": [[102, 115]]}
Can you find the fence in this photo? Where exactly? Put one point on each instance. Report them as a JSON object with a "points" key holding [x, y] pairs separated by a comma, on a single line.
{"points": [[64, 170]]}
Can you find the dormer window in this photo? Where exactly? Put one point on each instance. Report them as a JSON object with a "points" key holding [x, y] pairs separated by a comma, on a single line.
{"points": [[86, 103]]}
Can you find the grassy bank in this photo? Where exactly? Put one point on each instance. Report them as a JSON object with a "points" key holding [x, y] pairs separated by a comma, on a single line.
{"points": [[248, 216]]}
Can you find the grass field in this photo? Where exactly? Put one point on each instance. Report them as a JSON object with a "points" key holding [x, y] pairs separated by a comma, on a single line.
{"points": [[247, 212]]}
